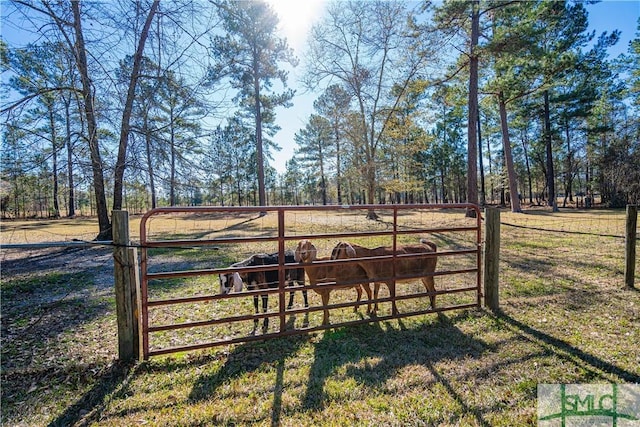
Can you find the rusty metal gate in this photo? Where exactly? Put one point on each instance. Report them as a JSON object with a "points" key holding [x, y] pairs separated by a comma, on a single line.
{"points": [[185, 249]]}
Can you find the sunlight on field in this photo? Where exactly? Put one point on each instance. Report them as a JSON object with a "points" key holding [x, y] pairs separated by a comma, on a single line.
{"points": [[39, 231], [566, 317], [64, 230]]}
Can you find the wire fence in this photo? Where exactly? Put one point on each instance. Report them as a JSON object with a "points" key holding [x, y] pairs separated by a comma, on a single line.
{"points": [[602, 224], [591, 239], [545, 254]]}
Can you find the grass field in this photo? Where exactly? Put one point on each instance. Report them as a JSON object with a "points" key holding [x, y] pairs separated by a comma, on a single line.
{"points": [[566, 317]]}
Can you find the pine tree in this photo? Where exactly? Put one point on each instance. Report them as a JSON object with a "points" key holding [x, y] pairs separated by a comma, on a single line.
{"points": [[250, 54]]}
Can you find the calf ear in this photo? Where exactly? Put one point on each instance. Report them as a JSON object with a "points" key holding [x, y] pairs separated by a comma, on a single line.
{"points": [[334, 253], [432, 245], [351, 252], [296, 254], [313, 253], [237, 282]]}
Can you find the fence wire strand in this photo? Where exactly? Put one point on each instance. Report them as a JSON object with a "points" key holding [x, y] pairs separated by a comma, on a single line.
{"points": [[568, 254]]}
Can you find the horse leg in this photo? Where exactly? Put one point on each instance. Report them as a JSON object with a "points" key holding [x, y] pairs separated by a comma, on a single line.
{"points": [[325, 303], [376, 290], [265, 301], [255, 306], [392, 294], [304, 295], [359, 292], [367, 289], [291, 294], [429, 284]]}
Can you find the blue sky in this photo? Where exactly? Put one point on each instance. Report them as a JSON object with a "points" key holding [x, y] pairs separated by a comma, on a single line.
{"points": [[612, 15], [297, 17], [609, 15]]}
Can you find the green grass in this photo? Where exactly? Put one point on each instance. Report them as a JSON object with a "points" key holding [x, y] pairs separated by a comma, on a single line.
{"points": [[566, 318]]}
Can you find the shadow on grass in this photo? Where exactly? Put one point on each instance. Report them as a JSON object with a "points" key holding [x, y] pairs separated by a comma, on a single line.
{"points": [[395, 349], [451, 243], [577, 290], [46, 255], [350, 348], [566, 351], [245, 358], [249, 358], [86, 408], [44, 307]]}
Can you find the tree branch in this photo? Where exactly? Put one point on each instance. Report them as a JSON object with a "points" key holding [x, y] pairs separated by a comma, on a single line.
{"points": [[40, 92]]}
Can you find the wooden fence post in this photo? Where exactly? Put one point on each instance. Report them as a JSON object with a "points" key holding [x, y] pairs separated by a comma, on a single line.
{"points": [[125, 274], [630, 245], [491, 258]]}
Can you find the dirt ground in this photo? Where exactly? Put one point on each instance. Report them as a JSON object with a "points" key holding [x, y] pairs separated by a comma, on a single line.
{"points": [[18, 262]]}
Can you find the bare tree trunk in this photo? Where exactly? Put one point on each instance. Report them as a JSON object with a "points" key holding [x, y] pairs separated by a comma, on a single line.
{"points": [[526, 161], [323, 180], [54, 162], [172, 165], [104, 224], [472, 142], [508, 157], [370, 173], [338, 165], [549, 150], [259, 145], [72, 199], [369, 166], [152, 183], [568, 174], [128, 108], [483, 192]]}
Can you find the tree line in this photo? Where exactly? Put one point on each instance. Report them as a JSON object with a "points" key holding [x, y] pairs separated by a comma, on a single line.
{"points": [[142, 104]]}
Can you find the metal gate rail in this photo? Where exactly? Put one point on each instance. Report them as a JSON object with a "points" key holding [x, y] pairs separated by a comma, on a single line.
{"points": [[281, 239]]}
